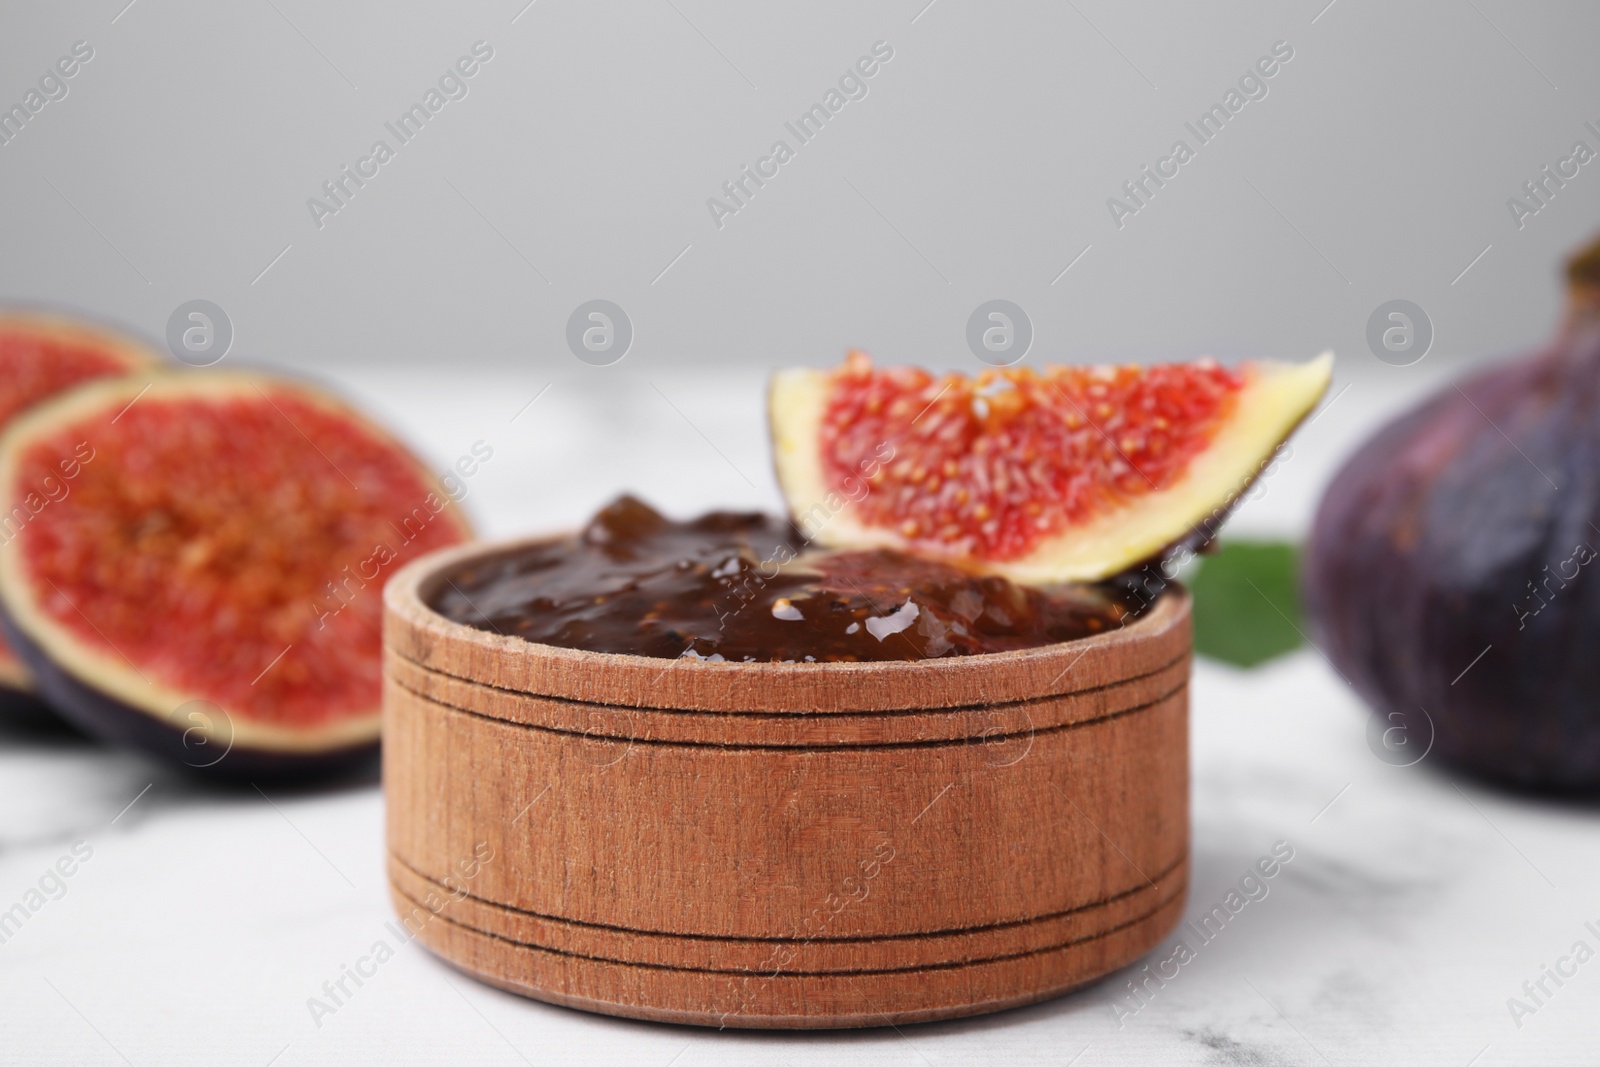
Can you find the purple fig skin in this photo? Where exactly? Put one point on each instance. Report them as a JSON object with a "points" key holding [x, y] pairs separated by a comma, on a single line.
{"points": [[106, 718], [1432, 545], [22, 705]]}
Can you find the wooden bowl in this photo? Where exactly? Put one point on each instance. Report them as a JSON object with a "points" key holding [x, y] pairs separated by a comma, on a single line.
{"points": [[783, 845]]}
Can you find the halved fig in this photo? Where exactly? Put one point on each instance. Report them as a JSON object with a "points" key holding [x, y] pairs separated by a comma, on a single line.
{"points": [[1069, 474], [42, 354], [204, 578]]}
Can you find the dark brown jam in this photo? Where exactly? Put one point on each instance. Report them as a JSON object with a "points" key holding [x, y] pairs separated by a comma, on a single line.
{"points": [[740, 587]]}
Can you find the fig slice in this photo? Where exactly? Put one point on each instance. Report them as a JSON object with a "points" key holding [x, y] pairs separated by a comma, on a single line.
{"points": [[41, 354], [202, 569], [1072, 473]]}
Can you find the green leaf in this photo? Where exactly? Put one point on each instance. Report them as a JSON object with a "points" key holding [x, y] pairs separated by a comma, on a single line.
{"points": [[1247, 602]]}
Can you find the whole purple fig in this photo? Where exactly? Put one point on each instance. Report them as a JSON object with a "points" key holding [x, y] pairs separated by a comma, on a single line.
{"points": [[1451, 574]]}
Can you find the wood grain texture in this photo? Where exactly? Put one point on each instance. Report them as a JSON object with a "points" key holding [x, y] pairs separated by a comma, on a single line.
{"points": [[784, 845]]}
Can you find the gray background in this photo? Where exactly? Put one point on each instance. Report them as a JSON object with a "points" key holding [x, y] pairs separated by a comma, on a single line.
{"points": [[980, 161]]}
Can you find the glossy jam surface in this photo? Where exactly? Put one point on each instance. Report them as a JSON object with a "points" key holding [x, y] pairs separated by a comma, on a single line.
{"points": [[738, 587]]}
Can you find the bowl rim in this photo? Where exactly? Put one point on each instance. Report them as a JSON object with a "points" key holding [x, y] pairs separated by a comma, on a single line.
{"points": [[1153, 641]]}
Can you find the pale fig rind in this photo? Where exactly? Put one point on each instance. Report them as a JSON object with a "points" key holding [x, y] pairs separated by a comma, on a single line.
{"points": [[179, 739], [117, 346], [105, 694], [1275, 398]]}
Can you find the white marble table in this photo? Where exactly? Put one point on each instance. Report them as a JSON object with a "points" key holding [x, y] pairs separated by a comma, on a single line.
{"points": [[203, 920]]}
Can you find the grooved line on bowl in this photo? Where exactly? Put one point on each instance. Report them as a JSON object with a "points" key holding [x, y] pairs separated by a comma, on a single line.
{"points": [[932, 743], [945, 966], [783, 715], [953, 931]]}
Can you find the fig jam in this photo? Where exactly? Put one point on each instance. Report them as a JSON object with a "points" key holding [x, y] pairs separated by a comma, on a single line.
{"points": [[742, 587]]}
